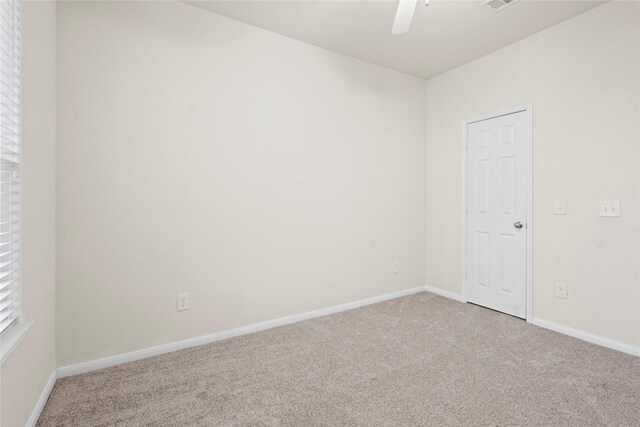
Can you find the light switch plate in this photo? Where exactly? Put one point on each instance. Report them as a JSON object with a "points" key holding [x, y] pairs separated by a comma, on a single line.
{"points": [[560, 207], [610, 208]]}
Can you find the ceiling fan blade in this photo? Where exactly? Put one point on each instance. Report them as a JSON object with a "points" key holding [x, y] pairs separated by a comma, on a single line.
{"points": [[404, 14]]}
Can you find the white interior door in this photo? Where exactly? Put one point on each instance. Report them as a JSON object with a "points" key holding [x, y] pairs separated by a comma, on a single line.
{"points": [[496, 234]]}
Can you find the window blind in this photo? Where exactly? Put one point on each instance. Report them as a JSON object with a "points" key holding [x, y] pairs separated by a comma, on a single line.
{"points": [[10, 130]]}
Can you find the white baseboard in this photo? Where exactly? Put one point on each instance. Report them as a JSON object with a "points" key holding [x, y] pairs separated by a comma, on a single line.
{"points": [[256, 327], [445, 294], [556, 327], [218, 336], [42, 400], [586, 336]]}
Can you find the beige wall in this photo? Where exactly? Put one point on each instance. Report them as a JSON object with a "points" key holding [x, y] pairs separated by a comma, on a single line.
{"points": [[29, 366], [262, 175], [583, 77]]}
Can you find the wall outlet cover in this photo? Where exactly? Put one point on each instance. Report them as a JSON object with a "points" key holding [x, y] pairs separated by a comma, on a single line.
{"points": [[561, 290], [560, 207], [183, 302]]}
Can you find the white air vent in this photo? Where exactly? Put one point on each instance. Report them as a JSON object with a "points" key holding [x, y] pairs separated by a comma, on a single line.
{"points": [[498, 5]]}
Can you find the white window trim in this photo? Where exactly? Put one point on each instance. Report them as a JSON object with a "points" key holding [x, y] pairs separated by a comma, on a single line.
{"points": [[10, 339], [13, 334]]}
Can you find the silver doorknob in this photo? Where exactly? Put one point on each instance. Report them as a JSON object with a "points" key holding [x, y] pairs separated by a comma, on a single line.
{"points": [[518, 225]]}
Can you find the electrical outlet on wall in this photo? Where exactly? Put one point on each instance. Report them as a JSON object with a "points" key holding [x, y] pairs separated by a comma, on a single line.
{"points": [[395, 267], [560, 207], [561, 290], [183, 302]]}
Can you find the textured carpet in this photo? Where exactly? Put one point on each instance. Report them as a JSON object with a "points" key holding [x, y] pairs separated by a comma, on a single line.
{"points": [[417, 360]]}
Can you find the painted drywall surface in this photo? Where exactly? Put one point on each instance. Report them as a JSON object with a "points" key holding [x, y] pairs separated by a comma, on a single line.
{"points": [[583, 77], [263, 176], [28, 368]]}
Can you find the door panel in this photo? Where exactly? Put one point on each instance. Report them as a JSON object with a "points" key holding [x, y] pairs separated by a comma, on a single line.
{"points": [[497, 173]]}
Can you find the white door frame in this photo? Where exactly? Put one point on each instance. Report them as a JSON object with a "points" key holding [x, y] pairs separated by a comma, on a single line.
{"points": [[528, 108]]}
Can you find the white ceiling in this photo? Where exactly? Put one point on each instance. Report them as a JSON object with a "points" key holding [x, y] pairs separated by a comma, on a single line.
{"points": [[443, 35]]}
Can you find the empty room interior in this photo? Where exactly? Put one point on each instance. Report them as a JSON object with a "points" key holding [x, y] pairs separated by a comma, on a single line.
{"points": [[320, 213]]}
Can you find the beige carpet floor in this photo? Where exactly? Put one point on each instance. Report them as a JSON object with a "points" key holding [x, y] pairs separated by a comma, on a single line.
{"points": [[412, 361]]}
